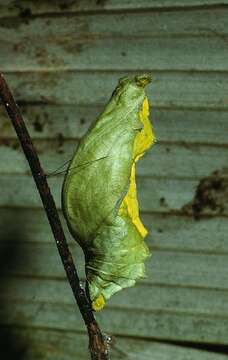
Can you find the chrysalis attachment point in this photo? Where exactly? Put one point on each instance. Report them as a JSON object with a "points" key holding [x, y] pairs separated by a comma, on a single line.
{"points": [[99, 303]]}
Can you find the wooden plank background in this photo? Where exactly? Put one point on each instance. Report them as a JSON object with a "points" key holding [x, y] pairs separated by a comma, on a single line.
{"points": [[63, 60], [29, 7]]}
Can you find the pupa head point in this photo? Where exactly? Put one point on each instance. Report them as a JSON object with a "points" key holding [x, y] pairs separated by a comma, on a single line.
{"points": [[143, 80], [131, 89]]}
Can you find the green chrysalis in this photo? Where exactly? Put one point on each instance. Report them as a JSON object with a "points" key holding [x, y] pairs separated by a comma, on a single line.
{"points": [[99, 197]]}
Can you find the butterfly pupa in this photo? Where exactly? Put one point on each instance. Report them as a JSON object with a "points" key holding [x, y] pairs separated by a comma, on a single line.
{"points": [[99, 198]]}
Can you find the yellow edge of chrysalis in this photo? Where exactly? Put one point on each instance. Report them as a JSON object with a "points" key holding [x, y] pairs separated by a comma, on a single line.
{"points": [[98, 303], [129, 206], [144, 139]]}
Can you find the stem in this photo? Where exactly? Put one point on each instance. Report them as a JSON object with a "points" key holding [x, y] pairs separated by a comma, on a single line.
{"points": [[98, 344]]}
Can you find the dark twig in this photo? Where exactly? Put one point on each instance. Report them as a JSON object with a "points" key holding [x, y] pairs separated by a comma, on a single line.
{"points": [[98, 343]]}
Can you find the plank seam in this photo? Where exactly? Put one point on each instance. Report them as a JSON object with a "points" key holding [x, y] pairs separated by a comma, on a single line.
{"points": [[143, 282], [170, 212], [152, 9], [175, 312], [63, 70]]}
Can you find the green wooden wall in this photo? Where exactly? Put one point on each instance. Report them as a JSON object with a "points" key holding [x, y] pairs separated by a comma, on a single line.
{"points": [[63, 59]]}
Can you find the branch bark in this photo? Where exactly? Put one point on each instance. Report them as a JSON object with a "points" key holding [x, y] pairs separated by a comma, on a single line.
{"points": [[98, 343]]}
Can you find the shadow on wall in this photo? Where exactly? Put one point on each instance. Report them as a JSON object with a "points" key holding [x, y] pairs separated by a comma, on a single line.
{"points": [[11, 344]]}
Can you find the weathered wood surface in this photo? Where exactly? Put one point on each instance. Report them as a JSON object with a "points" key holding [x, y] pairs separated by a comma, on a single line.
{"points": [[165, 267], [120, 54], [71, 122], [152, 298], [134, 42], [30, 7], [139, 25], [165, 323], [168, 161], [58, 345], [168, 89], [166, 232], [159, 195]]}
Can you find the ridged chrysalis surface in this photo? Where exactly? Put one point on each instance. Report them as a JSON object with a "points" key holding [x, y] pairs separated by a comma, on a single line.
{"points": [[99, 196]]}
